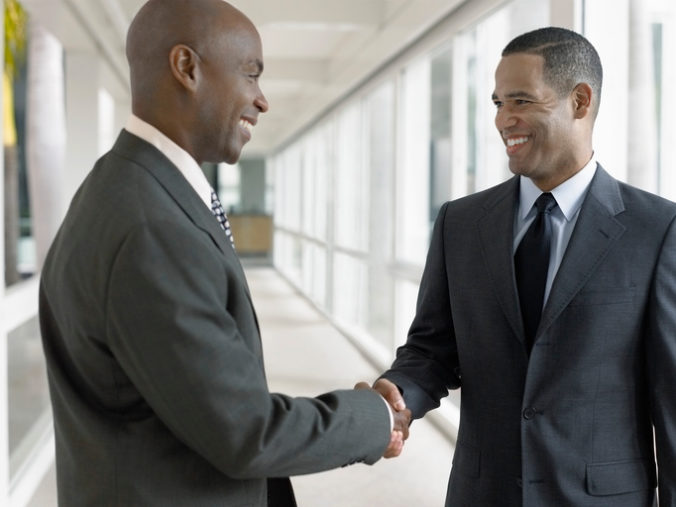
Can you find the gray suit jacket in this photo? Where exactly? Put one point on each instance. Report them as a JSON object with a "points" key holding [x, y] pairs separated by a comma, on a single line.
{"points": [[154, 356], [574, 424]]}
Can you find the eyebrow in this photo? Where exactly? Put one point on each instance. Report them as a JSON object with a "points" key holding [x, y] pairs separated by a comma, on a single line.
{"points": [[516, 95]]}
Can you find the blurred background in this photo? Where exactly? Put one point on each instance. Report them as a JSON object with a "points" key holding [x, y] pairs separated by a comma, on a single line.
{"points": [[380, 111]]}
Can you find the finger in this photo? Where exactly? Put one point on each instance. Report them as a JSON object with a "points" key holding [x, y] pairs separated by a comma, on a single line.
{"points": [[362, 385], [402, 421], [395, 446], [391, 393]]}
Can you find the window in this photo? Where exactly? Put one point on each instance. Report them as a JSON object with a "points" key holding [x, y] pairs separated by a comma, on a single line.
{"points": [[413, 174], [662, 17], [351, 181], [228, 178], [479, 159], [380, 155]]}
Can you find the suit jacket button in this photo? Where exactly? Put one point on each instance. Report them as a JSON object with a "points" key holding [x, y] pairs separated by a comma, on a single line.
{"points": [[529, 413]]}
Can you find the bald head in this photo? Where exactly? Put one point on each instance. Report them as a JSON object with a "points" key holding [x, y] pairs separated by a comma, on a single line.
{"points": [[162, 24], [194, 69]]}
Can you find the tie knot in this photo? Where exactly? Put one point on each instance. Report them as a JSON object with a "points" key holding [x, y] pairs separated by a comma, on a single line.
{"points": [[545, 202]]}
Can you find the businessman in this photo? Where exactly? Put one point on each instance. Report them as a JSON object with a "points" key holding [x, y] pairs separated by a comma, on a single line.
{"points": [[153, 349], [550, 301]]}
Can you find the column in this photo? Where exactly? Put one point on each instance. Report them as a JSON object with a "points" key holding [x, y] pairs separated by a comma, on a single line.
{"points": [[612, 125], [567, 14], [642, 127], [45, 136], [82, 117], [4, 442]]}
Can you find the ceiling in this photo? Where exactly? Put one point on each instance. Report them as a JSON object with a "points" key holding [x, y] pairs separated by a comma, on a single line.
{"points": [[315, 51]]}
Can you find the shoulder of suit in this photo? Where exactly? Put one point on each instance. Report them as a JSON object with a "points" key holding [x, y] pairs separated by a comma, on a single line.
{"points": [[636, 198], [487, 198]]}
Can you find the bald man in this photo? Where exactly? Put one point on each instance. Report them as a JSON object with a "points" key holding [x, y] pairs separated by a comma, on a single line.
{"points": [[153, 349]]}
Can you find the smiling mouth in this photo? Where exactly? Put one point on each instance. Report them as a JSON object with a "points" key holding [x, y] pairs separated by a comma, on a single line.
{"points": [[514, 143], [246, 125], [517, 141]]}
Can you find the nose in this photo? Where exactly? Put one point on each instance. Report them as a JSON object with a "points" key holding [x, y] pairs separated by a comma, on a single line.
{"points": [[504, 118], [261, 102]]}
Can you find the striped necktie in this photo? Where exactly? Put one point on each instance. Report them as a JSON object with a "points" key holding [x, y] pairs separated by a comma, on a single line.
{"points": [[219, 213]]}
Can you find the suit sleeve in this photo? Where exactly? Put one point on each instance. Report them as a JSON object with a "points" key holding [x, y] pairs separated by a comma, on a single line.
{"points": [[426, 367], [170, 326], [661, 357]]}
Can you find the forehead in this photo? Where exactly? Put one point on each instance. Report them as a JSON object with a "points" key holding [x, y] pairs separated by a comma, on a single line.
{"points": [[520, 71], [237, 37]]}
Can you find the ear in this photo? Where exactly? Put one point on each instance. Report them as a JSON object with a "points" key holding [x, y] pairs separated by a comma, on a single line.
{"points": [[582, 100], [184, 63]]}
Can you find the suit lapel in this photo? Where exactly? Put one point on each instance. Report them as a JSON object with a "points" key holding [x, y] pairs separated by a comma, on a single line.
{"points": [[496, 248], [171, 179], [596, 231]]}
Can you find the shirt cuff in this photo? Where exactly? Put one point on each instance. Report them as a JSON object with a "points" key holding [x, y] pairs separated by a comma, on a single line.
{"points": [[389, 411]]}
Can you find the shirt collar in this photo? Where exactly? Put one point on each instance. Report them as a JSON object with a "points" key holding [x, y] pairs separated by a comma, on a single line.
{"points": [[569, 194], [187, 165]]}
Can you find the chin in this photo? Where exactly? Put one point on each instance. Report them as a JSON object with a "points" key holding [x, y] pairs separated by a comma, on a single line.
{"points": [[516, 170], [232, 157], [519, 170]]}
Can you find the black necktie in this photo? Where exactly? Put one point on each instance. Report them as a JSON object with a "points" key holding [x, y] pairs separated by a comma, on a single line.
{"points": [[531, 263], [219, 213]]}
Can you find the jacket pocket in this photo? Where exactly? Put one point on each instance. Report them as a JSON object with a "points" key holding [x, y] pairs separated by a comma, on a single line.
{"points": [[605, 296], [467, 459], [620, 477]]}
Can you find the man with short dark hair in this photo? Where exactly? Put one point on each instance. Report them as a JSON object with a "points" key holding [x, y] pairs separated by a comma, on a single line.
{"points": [[550, 300], [153, 349]]}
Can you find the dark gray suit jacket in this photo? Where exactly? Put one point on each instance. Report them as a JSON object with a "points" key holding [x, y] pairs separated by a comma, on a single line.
{"points": [[154, 356], [572, 426]]}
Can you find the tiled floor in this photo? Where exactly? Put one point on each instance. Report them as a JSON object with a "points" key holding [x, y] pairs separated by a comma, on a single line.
{"points": [[305, 355]]}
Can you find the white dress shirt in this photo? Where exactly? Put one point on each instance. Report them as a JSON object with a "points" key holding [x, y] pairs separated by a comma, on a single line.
{"points": [[569, 196], [188, 166]]}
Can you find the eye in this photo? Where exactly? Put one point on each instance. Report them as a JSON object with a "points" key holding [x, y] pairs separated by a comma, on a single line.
{"points": [[521, 102], [497, 104]]}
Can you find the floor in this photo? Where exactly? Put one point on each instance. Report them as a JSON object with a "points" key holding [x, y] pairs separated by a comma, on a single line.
{"points": [[306, 356]]}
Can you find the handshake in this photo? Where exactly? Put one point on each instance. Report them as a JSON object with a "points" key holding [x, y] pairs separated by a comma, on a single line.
{"points": [[401, 415]]}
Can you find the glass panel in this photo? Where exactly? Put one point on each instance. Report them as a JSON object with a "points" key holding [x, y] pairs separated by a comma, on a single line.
{"points": [[478, 153], [229, 177], [440, 131], [18, 240], [379, 124], [288, 190], [28, 394], [406, 295], [107, 131], [316, 170], [661, 15], [413, 178], [269, 187], [349, 290], [351, 182], [314, 273], [612, 123]]}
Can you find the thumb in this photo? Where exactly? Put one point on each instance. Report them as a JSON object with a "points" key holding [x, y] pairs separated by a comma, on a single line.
{"points": [[391, 393]]}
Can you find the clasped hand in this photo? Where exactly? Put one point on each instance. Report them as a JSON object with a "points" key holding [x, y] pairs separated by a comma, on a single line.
{"points": [[401, 415]]}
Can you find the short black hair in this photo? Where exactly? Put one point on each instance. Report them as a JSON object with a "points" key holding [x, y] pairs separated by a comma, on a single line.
{"points": [[569, 59]]}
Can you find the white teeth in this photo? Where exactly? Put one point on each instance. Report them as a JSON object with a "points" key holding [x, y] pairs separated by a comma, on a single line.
{"points": [[518, 140], [245, 125]]}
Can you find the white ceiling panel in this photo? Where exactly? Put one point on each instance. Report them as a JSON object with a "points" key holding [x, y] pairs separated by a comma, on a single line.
{"points": [[314, 50]]}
